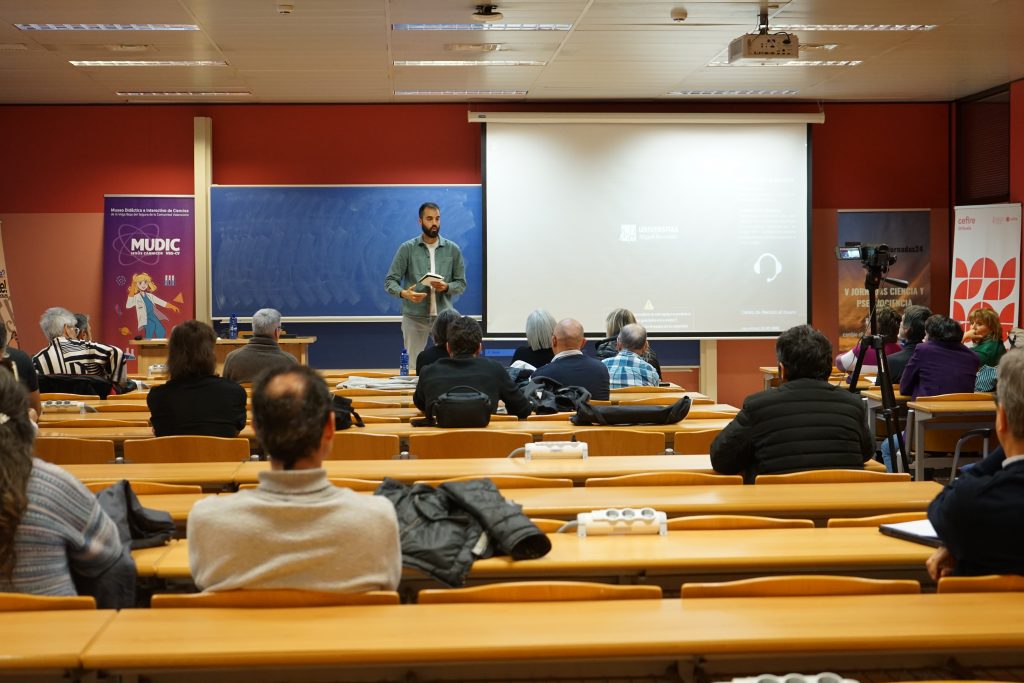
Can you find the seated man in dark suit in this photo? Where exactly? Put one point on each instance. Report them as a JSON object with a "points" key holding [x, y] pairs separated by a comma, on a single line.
{"points": [[979, 515], [466, 368], [570, 367], [912, 333], [804, 424]]}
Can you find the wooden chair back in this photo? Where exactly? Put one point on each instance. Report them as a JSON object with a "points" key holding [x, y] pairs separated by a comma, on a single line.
{"points": [[380, 419], [124, 407], [539, 591], [142, 488], [700, 413], [766, 586], [62, 450], [75, 423], [875, 520], [972, 396], [667, 400], [467, 443], [1008, 583], [341, 482], [358, 403], [667, 479], [832, 477], [23, 602], [618, 441], [363, 392], [550, 417], [694, 443], [63, 396], [645, 390], [352, 444], [510, 481], [719, 522], [548, 526], [272, 598], [186, 449]]}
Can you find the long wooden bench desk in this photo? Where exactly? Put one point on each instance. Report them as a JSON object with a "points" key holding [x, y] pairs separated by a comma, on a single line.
{"points": [[212, 476], [680, 556], [33, 643], [405, 642]]}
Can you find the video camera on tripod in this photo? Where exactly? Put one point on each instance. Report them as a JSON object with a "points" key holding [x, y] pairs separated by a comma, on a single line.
{"points": [[876, 259]]}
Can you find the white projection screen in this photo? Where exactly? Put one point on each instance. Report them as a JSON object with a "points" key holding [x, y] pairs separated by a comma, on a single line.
{"points": [[701, 229]]}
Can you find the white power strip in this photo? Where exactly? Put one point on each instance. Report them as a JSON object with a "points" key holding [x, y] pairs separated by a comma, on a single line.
{"points": [[64, 406], [824, 677], [624, 521], [556, 449]]}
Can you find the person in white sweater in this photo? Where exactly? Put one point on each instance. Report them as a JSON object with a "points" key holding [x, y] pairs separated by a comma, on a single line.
{"points": [[295, 530]]}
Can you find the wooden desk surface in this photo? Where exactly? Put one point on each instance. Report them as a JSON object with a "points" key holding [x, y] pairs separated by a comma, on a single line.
{"points": [[808, 501], [207, 474], [950, 408], [684, 554], [117, 434], [669, 629], [48, 640]]}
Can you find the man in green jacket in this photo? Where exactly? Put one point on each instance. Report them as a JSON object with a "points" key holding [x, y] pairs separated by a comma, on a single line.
{"points": [[421, 302]]}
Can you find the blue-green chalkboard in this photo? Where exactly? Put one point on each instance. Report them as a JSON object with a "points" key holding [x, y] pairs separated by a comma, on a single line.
{"points": [[323, 251]]}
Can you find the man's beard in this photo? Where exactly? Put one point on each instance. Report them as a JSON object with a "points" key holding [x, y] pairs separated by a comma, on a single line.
{"points": [[431, 233]]}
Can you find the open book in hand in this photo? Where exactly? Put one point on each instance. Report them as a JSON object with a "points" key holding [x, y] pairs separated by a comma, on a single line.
{"points": [[430, 278]]}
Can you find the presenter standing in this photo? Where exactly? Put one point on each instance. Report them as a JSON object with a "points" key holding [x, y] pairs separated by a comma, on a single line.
{"points": [[421, 302]]}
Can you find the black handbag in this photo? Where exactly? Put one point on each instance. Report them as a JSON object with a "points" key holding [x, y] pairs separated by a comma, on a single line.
{"points": [[344, 414], [588, 414], [460, 406]]}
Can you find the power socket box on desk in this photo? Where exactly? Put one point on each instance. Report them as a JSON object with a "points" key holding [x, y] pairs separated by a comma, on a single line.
{"points": [[569, 450]]}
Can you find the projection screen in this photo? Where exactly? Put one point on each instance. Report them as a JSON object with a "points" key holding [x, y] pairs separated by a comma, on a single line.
{"points": [[701, 229]]}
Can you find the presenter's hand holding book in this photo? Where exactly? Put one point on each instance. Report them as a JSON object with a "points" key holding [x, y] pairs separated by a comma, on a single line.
{"points": [[434, 281]]}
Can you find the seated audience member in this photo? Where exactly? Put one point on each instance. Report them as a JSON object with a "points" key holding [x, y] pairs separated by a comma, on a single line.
{"points": [[986, 336], [628, 368], [940, 365], [261, 351], [439, 333], [606, 348], [84, 329], [20, 365], [68, 355], [979, 514], [296, 530], [466, 368], [805, 423], [570, 367], [540, 325], [50, 524], [195, 400], [888, 325], [912, 334]]}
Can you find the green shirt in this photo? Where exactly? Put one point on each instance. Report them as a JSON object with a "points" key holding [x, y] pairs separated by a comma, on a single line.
{"points": [[989, 351], [412, 261]]}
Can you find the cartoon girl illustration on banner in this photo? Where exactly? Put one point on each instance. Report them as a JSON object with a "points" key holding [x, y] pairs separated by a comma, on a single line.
{"points": [[140, 295]]}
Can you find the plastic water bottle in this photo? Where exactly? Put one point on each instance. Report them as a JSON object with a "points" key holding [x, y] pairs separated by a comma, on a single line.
{"points": [[233, 327], [403, 364]]}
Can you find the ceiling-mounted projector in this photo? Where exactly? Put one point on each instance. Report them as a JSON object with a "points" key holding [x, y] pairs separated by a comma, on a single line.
{"points": [[761, 48]]}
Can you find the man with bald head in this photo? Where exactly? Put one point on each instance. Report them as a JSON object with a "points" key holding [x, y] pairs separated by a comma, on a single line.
{"points": [[570, 367], [296, 530]]}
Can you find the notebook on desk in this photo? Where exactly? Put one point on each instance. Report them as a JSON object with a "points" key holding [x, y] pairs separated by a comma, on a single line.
{"points": [[919, 531]]}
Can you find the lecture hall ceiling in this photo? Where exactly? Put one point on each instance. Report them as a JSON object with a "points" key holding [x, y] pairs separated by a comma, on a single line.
{"points": [[351, 51]]}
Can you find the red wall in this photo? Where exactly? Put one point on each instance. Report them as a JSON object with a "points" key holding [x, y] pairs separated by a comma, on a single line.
{"points": [[64, 159], [1017, 159]]}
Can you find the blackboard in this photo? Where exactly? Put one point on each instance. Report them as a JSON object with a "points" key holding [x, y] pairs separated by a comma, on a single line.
{"points": [[323, 251]]}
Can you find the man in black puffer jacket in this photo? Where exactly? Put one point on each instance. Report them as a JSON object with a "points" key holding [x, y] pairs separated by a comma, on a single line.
{"points": [[804, 424]]}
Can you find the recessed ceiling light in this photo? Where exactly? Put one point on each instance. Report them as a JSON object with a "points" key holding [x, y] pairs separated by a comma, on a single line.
{"points": [[107, 27], [734, 93], [147, 62], [467, 62], [481, 27], [460, 93], [183, 93], [854, 27], [473, 47]]}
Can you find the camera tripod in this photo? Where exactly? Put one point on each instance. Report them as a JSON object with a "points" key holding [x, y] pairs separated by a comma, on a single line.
{"points": [[893, 433]]}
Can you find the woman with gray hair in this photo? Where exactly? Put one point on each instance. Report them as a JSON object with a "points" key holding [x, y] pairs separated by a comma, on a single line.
{"points": [[540, 327], [439, 333]]}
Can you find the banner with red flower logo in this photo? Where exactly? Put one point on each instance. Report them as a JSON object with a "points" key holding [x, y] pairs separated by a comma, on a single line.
{"points": [[986, 268]]}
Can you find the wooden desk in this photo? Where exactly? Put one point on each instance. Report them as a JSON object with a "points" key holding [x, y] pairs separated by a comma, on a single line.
{"points": [[959, 415], [47, 641], [154, 351], [638, 635], [178, 504], [119, 434], [809, 501], [210, 475], [673, 559]]}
